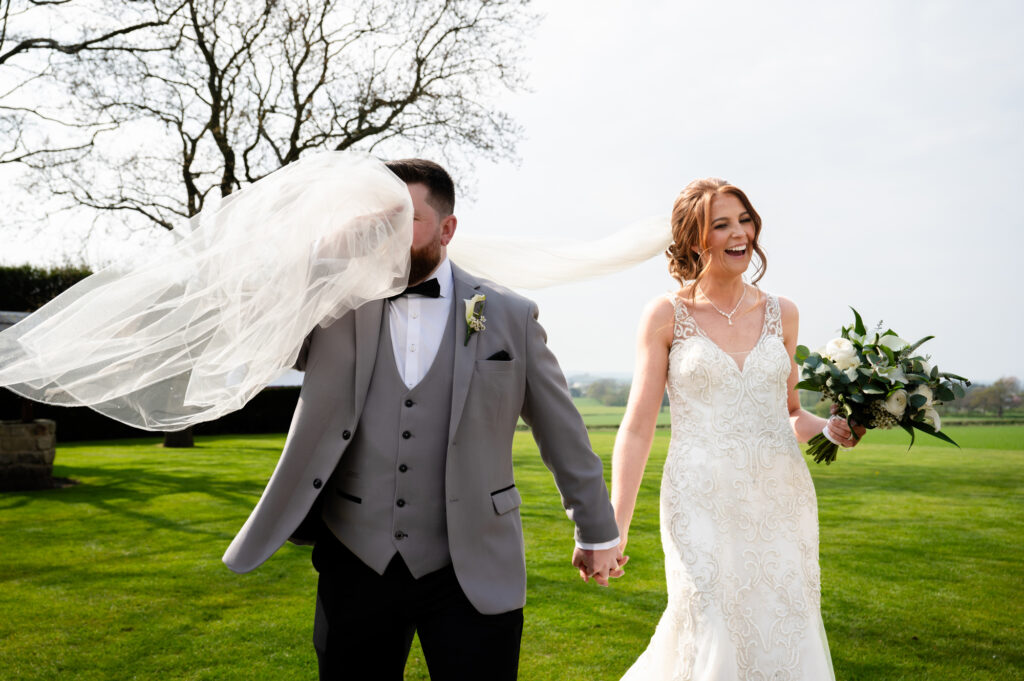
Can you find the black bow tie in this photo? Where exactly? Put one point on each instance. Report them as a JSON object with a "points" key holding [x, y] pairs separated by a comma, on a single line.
{"points": [[429, 288]]}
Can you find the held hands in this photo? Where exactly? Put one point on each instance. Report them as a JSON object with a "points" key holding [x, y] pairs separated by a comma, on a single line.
{"points": [[599, 565]]}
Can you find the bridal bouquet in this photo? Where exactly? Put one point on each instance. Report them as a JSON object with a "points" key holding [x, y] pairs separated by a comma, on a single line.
{"points": [[878, 381]]}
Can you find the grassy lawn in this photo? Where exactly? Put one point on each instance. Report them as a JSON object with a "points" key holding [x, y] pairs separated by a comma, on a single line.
{"points": [[598, 415], [120, 577]]}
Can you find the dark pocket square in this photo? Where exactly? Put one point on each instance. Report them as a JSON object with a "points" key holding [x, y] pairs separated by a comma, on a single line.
{"points": [[500, 356]]}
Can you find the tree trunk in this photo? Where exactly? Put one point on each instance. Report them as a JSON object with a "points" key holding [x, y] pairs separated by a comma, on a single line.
{"points": [[179, 438]]}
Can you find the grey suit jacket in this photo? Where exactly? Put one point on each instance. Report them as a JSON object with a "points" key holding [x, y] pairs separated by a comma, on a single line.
{"points": [[484, 530]]}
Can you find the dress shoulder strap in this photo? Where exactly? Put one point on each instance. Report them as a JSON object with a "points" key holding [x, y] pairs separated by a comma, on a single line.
{"points": [[772, 316], [684, 325]]}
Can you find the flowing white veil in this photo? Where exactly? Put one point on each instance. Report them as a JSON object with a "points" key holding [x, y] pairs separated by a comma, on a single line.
{"points": [[537, 263], [192, 331]]}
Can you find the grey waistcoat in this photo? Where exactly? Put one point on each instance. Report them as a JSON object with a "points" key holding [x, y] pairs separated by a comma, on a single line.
{"points": [[387, 494]]}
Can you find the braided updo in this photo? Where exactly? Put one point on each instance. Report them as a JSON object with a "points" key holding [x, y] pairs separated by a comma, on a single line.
{"points": [[691, 222]]}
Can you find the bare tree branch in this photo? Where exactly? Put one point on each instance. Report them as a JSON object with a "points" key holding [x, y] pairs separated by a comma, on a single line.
{"points": [[219, 93]]}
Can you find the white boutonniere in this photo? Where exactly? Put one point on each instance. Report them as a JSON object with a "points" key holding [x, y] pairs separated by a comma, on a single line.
{"points": [[475, 315]]}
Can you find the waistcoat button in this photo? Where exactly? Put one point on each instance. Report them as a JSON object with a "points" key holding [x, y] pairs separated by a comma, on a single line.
{"points": [[345, 435], [403, 468], [406, 435], [409, 403], [317, 483], [400, 503]]}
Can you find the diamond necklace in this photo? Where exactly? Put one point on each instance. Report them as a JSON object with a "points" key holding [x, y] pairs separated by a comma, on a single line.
{"points": [[727, 315]]}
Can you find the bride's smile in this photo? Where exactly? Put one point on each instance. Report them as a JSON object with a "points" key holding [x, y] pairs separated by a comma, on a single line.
{"points": [[730, 236]]}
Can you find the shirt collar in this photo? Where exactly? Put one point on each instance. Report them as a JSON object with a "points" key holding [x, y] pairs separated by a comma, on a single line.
{"points": [[443, 274]]}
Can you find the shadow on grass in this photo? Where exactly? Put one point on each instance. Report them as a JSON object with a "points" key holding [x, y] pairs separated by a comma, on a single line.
{"points": [[141, 494]]}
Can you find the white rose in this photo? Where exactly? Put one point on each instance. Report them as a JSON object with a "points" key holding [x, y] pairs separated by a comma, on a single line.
{"points": [[927, 392], [933, 416], [896, 403], [842, 353]]}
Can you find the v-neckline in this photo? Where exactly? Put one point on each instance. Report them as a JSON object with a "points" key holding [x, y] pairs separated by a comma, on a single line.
{"points": [[728, 355]]}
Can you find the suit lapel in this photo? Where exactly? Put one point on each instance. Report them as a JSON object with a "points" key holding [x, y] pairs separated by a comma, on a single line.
{"points": [[368, 321], [465, 353]]}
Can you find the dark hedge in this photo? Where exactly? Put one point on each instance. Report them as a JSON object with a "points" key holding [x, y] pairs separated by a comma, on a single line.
{"points": [[25, 288], [269, 412]]}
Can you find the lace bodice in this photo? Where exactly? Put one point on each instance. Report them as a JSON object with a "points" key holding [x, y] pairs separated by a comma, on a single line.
{"points": [[713, 397], [738, 520]]}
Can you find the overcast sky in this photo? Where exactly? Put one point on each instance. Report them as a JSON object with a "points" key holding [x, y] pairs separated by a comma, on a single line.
{"points": [[880, 141]]}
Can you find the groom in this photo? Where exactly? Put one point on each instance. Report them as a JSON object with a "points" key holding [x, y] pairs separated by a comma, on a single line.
{"points": [[399, 458]]}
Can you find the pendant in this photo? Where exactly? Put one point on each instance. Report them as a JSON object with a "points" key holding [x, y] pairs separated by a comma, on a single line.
{"points": [[730, 320]]}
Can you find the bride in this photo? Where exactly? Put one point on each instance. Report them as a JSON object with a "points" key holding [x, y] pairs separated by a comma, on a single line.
{"points": [[739, 523]]}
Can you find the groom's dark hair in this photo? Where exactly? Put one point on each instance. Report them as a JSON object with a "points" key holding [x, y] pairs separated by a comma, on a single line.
{"points": [[435, 178]]}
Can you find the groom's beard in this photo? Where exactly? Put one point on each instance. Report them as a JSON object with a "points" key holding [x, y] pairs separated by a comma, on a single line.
{"points": [[424, 260]]}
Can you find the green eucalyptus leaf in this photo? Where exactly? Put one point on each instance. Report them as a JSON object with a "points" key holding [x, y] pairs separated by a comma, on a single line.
{"points": [[836, 373], [802, 353], [944, 394], [918, 401]]}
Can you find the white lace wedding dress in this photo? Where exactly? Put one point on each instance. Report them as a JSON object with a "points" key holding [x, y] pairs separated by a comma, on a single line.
{"points": [[739, 521]]}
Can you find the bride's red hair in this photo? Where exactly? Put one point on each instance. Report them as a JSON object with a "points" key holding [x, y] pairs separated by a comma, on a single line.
{"points": [[691, 223]]}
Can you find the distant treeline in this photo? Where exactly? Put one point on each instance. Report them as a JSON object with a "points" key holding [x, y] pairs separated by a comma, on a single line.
{"points": [[998, 398]]}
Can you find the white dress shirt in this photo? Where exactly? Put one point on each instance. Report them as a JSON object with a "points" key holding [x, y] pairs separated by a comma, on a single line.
{"points": [[417, 327]]}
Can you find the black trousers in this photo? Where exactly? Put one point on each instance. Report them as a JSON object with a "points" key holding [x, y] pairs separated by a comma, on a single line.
{"points": [[365, 623]]}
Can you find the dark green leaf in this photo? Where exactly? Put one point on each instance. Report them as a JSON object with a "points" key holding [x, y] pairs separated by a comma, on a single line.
{"points": [[944, 394], [915, 346], [918, 401], [808, 385], [927, 428], [858, 325], [888, 354], [910, 430]]}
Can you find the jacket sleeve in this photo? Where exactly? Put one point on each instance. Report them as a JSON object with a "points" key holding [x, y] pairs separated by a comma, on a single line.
{"points": [[563, 441]]}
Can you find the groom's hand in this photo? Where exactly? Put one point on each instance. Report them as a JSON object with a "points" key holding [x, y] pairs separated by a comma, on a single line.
{"points": [[599, 565]]}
